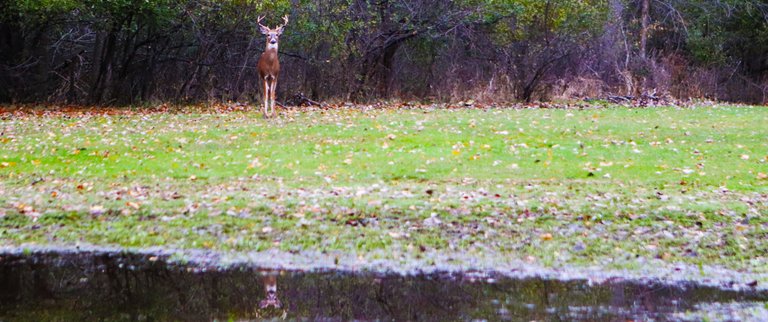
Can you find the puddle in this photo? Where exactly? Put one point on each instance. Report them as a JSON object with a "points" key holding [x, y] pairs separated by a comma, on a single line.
{"points": [[119, 286]]}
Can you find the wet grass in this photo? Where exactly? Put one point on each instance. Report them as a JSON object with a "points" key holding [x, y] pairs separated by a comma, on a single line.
{"points": [[615, 187]]}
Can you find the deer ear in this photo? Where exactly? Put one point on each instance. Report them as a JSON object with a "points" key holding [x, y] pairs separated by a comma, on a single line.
{"points": [[280, 31], [264, 30]]}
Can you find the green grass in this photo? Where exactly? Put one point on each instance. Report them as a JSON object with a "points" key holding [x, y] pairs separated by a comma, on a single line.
{"points": [[561, 187]]}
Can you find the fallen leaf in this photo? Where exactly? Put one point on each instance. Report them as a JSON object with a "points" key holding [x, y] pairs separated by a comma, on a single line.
{"points": [[97, 210], [432, 221]]}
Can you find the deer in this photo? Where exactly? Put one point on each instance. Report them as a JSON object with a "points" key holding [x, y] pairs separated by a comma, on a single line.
{"points": [[269, 66]]}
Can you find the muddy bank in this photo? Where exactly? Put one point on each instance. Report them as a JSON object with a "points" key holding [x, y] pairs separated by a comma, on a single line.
{"points": [[98, 284]]}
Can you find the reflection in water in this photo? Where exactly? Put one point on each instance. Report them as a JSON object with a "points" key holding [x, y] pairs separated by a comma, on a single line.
{"points": [[108, 286], [269, 280]]}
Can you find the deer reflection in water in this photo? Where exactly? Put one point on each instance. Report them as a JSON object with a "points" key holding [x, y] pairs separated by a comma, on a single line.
{"points": [[269, 280]]}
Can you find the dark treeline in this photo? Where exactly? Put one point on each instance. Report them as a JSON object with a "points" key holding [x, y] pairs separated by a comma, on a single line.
{"points": [[134, 51]]}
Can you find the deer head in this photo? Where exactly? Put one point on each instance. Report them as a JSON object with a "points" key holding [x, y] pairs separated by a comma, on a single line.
{"points": [[273, 35]]}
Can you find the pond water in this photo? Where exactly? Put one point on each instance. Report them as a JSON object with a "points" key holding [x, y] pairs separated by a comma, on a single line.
{"points": [[120, 286]]}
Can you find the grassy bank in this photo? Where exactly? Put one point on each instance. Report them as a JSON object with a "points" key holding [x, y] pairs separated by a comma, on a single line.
{"points": [[613, 187]]}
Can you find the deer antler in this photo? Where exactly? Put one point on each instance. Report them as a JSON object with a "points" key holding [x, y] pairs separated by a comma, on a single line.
{"points": [[258, 21], [281, 27], [285, 20]]}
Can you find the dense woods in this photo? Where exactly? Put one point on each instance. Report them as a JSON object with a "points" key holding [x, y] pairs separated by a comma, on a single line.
{"points": [[130, 52]]}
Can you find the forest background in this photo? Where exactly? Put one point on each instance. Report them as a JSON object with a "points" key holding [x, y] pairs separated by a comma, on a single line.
{"points": [[116, 52]]}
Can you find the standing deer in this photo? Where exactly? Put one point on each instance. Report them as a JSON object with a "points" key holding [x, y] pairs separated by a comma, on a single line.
{"points": [[269, 66]]}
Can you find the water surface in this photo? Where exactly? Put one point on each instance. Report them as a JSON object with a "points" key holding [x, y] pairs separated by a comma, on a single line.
{"points": [[121, 286]]}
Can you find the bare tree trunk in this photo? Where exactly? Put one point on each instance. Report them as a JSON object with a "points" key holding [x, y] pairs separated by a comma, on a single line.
{"points": [[644, 27], [105, 59]]}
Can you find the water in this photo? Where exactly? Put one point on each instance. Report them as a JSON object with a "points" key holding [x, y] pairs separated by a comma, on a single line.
{"points": [[118, 286]]}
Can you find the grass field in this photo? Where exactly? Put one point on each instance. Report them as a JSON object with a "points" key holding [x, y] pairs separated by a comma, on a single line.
{"points": [[614, 187]]}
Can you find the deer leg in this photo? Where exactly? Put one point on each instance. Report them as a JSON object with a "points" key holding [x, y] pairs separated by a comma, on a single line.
{"points": [[265, 106], [269, 97], [268, 85], [272, 89], [274, 94]]}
